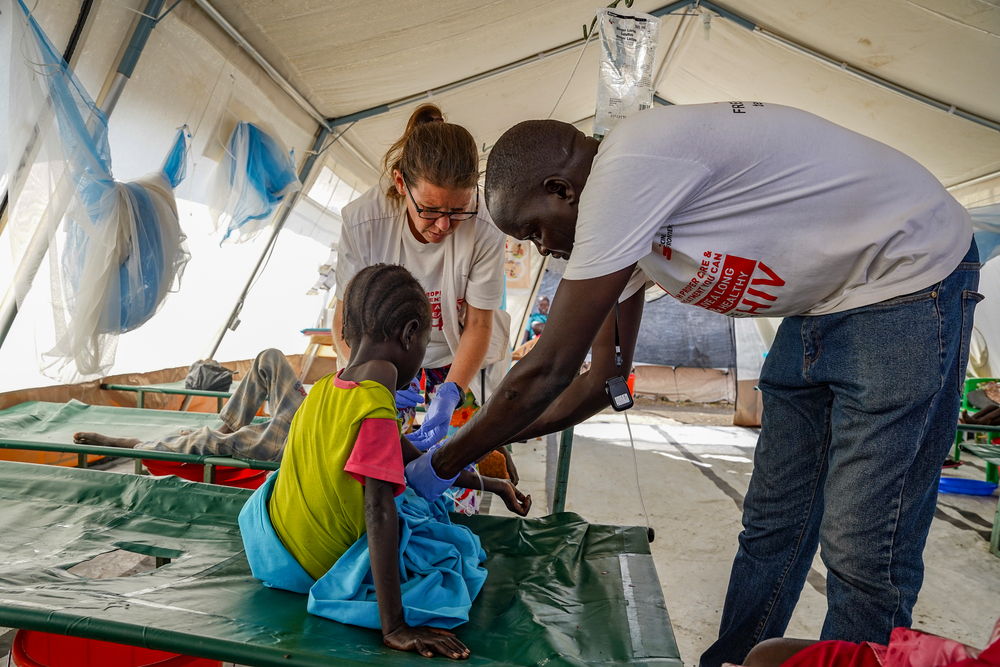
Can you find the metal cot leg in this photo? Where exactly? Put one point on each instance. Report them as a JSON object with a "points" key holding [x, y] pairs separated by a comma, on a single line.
{"points": [[562, 470]]}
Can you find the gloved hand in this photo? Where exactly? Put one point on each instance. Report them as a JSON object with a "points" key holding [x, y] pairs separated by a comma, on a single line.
{"points": [[421, 477], [409, 397], [438, 417]]}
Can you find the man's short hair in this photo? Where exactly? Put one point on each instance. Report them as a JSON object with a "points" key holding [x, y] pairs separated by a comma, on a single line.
{"points": [[524, 156]]}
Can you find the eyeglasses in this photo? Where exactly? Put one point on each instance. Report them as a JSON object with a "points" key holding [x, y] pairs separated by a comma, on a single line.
{"points": [[432, 214]]}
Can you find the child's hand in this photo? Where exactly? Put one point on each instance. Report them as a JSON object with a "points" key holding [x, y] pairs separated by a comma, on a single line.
{"points": [[427, 642], [511, 468], [516, 502]]}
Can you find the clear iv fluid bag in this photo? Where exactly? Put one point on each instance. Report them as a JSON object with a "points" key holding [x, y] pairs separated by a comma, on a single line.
{"points": [[624, 83]]}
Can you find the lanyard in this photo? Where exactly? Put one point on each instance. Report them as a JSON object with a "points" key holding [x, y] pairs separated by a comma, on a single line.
{"points": [[619, 360]]}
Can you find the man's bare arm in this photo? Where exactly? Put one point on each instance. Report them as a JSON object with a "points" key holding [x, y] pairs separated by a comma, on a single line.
{"points": [[579, 309], [586, 396]]}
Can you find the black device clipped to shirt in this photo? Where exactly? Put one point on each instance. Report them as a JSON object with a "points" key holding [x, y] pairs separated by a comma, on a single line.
{"points": [[616, 387]]}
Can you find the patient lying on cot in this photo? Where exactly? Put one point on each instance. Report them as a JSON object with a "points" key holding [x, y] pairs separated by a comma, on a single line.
{"points": [[270, 378], [337, 522]]}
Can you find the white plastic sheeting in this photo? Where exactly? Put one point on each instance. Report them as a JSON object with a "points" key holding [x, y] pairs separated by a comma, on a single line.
{"points": [[199, 78], [115, 249]]}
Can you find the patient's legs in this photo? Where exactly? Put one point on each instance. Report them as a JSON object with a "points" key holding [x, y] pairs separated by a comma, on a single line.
{"points": [[269, 378], [84, 438]]}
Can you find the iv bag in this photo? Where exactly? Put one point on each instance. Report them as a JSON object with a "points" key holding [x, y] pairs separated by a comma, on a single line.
{"points": [[624, 83]]}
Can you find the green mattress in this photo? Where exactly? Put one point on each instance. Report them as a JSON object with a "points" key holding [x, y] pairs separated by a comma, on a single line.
{"points": [[560, 591], [38, 425]]}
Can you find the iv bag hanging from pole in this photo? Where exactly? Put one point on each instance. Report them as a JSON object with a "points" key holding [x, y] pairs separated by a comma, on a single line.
{"points": [[624, 82]]}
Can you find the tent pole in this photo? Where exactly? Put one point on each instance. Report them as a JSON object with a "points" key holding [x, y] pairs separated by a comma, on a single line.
{"points": [[531, 301], [307, 166], [850, 69], [39, 244], [255, 55]]}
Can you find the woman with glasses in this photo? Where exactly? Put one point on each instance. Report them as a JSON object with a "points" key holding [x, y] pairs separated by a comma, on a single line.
{"points": [[428, 215]]}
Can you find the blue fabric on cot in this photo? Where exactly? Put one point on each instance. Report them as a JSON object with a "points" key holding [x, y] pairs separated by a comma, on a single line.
{"points": [[440, 568]]}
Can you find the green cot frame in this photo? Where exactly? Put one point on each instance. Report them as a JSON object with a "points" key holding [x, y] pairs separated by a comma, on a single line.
{"points": [[174, 388], [560, 591], [991, 455]]}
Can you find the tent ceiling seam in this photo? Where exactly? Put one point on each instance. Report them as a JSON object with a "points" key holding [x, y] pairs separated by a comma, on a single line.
{"points": [[723, 12], [850, 69], [976, 179], [881, 82], [262, 62]]}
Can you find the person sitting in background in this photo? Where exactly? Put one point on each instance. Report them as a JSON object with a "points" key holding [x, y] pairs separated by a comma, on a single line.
{"points": [[333, 497], [537, 319]]}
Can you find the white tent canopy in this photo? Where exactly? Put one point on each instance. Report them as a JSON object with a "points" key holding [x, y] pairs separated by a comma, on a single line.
{"points": [[920, 75], [938, 61]]}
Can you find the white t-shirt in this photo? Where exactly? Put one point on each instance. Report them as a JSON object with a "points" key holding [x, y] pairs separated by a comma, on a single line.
{"points": [[748, 209], [426, 262], [465, 268]]}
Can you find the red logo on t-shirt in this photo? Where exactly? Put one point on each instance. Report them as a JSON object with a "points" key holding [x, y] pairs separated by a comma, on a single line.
{"points": [[729, 283], [435, 301], [663, 242]]}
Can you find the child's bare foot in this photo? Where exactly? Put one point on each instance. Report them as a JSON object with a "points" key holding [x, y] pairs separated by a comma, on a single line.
{"points": [[84, 438]]}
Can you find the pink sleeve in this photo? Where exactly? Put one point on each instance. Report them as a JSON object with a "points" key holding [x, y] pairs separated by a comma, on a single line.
{"points": [[377, 453]]}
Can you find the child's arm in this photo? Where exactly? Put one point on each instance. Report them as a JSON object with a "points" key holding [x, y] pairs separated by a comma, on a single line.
{"points": [[382, 524], [516, 502]]}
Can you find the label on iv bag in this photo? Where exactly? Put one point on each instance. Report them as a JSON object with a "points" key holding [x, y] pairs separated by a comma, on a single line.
{"points": [[624, 82]]}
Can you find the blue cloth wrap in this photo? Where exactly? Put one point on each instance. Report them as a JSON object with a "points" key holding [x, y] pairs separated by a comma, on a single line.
{"points": [[439, 566]]}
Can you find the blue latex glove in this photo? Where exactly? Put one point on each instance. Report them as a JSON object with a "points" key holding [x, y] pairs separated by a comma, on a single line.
{"points": [[447, 396], [409, 398], [421, 477]]}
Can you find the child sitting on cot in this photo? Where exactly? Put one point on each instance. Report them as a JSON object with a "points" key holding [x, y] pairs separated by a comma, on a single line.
{"points": [[314, 525], [906, 648]]}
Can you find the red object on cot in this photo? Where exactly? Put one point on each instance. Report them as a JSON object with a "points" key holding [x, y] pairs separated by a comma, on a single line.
{"points": [[834, 654], [41, 649], [243, 478]]}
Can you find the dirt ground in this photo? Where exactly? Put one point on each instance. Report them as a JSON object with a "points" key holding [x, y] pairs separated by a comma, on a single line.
{"points": [[686, 412]]}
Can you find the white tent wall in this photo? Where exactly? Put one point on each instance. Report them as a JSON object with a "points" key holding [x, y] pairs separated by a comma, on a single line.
{"points": [[190, 72], [941, 50], [347, 57]]}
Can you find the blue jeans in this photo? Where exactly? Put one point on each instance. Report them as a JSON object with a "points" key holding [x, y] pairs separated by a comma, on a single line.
{"points": [[860, 409]]}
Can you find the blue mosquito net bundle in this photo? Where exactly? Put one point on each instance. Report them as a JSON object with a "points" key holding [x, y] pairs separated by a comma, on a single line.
{"points": [[114, 249], [256, 174]]}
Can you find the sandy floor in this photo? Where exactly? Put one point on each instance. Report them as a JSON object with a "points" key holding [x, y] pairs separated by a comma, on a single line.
{"points": [[693, 471]]}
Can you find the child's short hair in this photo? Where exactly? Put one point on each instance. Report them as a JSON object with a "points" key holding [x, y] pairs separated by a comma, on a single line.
{"points": [[379, 300]]}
